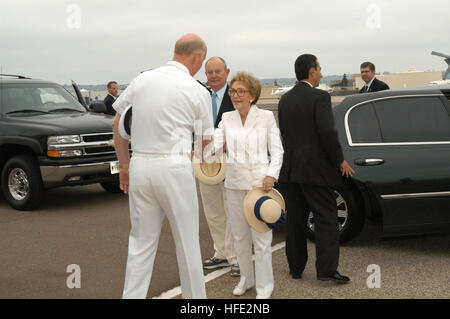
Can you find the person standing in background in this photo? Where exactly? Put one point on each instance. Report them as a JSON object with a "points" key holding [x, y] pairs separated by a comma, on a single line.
{"points": [[111, 97], [213, 196], [368, 76]]}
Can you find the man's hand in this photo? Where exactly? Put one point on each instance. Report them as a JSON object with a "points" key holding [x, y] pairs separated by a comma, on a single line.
{"points": [[268, 183], [124, 180], [123, 155], [346, 169]]}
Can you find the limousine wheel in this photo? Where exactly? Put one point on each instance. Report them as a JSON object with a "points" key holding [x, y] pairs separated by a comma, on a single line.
{"points": [[22, 183], [350, 215]]}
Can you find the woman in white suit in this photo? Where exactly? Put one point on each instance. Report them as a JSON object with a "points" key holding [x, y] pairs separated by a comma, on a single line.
{"points": [[249, 135]]}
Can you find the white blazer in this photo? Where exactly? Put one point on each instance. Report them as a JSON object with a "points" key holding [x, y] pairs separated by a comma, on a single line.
{"points": [[248, 148]]}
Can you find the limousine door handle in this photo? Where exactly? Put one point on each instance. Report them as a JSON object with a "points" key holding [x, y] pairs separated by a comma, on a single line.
{"points": [[369, 161]]}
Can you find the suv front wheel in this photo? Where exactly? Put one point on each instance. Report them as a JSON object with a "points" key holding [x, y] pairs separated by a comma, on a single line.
{"points": [[22, 183]]}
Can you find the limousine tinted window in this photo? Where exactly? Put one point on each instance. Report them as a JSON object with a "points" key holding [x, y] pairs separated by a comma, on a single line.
{"points": [[419, 119], [363, 125]]}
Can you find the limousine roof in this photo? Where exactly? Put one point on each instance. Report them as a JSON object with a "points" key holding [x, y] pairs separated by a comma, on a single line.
{"points": [[429, 89]]}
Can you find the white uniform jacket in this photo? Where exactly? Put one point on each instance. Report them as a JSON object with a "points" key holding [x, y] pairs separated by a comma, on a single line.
{"points": [[254, 150]]}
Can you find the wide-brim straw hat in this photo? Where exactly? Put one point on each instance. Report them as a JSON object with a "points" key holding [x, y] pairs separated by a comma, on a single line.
{"points": [[271, 208], [210, 170], [125, 123]]}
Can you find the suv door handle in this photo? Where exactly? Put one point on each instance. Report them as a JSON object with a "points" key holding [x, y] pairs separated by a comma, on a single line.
{"points": [[369, 161]]}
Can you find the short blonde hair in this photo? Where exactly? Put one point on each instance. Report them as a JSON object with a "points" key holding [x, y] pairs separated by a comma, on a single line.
{"points": [[253, 84]]}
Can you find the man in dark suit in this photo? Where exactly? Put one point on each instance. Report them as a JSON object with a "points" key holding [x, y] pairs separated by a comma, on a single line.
{"points": [[368, 76], [111, 97], [213, 196], [310, 171], [217, 74]]}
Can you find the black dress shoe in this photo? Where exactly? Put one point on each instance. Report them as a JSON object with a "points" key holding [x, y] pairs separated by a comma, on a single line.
{"points": [[295, 275], [336, 277]]}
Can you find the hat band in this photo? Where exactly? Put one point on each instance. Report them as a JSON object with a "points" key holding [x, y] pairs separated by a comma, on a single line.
{"points": [[257, 208]]}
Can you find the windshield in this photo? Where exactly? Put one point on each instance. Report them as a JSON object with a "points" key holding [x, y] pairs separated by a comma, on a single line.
{"points": [[39, 98]]}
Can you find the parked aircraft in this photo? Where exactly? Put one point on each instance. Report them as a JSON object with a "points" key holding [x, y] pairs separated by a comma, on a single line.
{"points": [[281, 90], [446, 59]]}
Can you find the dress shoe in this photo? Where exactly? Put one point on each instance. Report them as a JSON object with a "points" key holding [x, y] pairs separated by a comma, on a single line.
{"points": [[336, 277], [241, 288], [235, 271], [263, 293], [263, 296], [214, 263], [295, 275]]}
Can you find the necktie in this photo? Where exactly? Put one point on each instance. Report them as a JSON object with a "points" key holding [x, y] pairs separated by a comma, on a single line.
{"points": [[214, 107], [364, 90]]}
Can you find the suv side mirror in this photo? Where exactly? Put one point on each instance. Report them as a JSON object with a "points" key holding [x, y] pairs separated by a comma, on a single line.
{"points": [[99, 107]]}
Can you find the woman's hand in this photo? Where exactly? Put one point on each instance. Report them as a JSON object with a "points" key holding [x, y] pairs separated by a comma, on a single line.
{"points": [[268, 183]]}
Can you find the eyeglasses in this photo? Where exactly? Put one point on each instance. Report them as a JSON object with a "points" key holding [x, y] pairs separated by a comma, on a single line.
{"points": [[239, 92]]}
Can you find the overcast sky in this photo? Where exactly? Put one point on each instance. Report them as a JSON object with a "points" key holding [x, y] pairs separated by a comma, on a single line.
{"points": [[93, 42]]}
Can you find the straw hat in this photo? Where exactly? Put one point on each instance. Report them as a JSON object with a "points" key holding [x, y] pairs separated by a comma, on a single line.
{"points": [[269, 206], [210, 170], [125, 123]]}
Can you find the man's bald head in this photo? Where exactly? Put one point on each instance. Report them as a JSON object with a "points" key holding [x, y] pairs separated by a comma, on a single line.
{"points": [[190, 50], [188, 44]]}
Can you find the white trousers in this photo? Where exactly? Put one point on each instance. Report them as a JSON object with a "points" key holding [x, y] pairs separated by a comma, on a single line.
{"points": [[163, 187], [244, 236], [214, 204]]}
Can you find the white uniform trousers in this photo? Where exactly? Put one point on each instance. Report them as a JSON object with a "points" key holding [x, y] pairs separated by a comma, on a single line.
{"points": [[244, 236], [214, 204], [163, 186]]}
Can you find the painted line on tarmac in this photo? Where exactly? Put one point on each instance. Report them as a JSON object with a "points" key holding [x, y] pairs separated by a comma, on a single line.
{"points": [[211, 276]]}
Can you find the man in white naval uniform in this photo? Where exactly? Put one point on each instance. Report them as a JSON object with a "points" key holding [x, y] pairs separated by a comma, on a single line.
{"points": [[166, 102]]}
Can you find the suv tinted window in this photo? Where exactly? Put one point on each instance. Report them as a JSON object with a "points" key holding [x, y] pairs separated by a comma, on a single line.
{"points": [[419, 119], [364, 125], [38, 97]]}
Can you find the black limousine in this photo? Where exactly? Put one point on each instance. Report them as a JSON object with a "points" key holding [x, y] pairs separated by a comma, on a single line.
{"points": [[398, 142]]}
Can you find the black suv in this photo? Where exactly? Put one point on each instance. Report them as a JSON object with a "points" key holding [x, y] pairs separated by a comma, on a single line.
{"points": [[48, 138], [398, 142]]}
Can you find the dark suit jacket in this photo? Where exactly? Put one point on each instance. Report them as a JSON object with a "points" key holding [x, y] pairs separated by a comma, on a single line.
{"points": [[312, 152], [225, 106], [109, 100], [376, 86]]}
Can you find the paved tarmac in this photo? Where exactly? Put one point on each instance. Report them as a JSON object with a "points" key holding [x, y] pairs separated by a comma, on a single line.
{"points": [[89, 227]]}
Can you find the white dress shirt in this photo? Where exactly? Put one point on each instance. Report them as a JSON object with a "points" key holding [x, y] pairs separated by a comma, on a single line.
{"points": [[114, 97], [166, 103], [307, 83], [369, 84]]}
